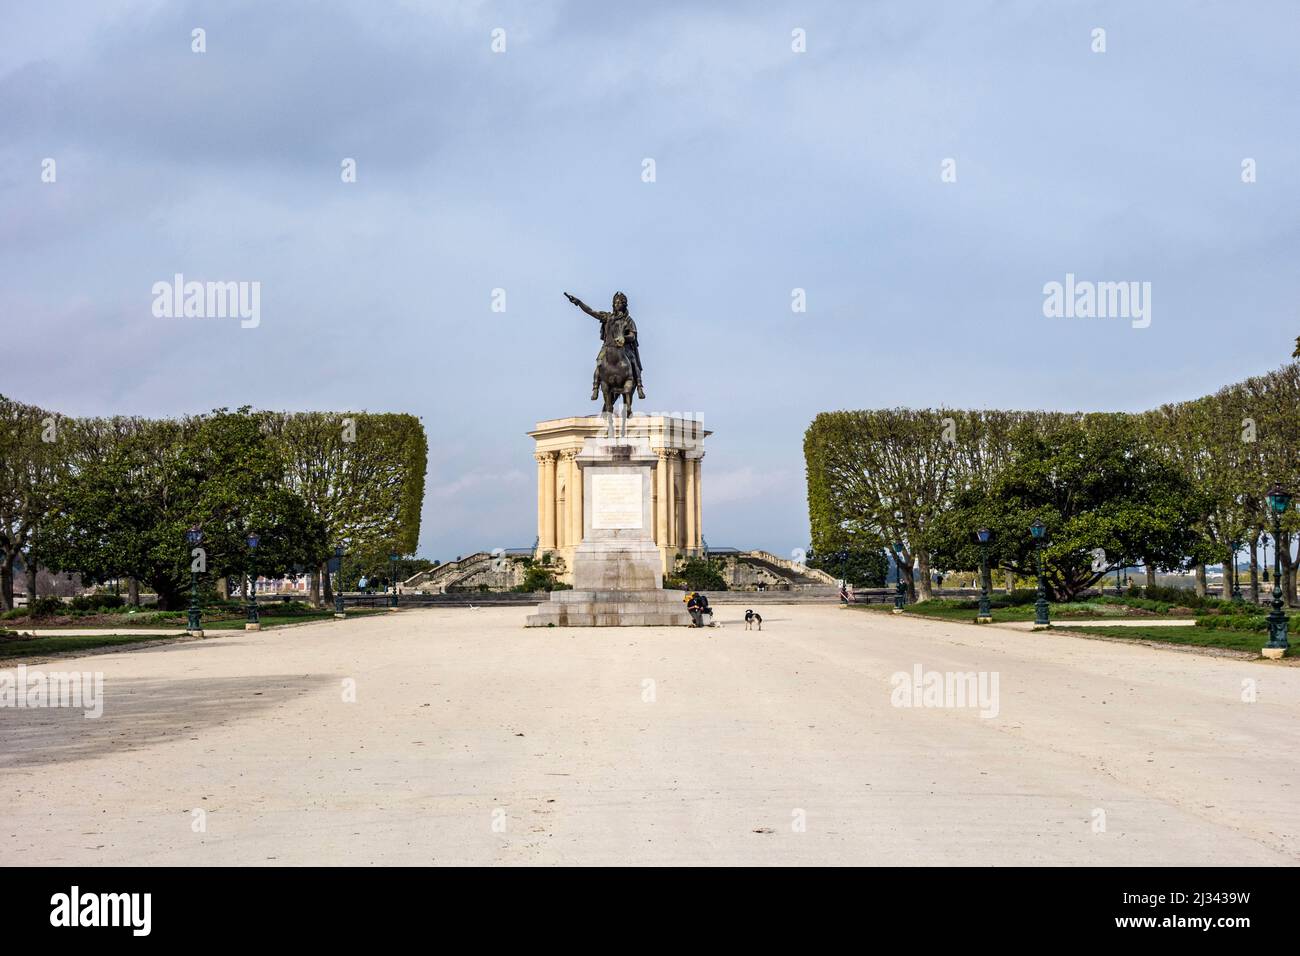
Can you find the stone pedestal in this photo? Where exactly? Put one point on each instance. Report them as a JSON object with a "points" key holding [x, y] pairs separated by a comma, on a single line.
{"points": [[676, 482], [617, 566]]}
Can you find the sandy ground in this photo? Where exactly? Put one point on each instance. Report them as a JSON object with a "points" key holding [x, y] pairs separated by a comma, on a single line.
{"points": [[474, 740]]}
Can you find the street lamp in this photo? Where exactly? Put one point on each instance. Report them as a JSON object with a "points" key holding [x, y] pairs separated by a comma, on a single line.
{"points": [[1236, 579], [254, 621], [1264, 537], [392, 577], [194, 626], [900, 588], [985, 615], [338, 591], [1279, 500], [1038, 530]]}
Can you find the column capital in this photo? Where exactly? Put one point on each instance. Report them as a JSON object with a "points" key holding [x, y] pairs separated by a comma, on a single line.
{"points": [[569, 454], [544, 456]]}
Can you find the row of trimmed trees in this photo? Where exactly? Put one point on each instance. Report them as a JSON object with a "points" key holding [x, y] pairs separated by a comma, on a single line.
{"points": [[111, 498], [1170, 489]]}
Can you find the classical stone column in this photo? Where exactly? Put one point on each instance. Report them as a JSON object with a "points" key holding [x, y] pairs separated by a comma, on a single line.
{"points": [[561, 502], [548, 501], [662, 504], [672, 541], [688, 501], [541, 501], [574, 471], [698, 504]]}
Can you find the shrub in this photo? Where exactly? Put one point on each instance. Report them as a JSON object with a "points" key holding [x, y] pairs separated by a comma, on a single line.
{"points": [[538, 578], [47, 607], [697, 574], [14, 614], [1017, 598], [1171, 596], [1186, 597], [1138, 603], [1239, 622], [97, 602], [287, 608]]}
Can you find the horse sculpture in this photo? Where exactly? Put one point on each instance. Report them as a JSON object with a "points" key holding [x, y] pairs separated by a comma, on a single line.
{"points": [[614, 373]]}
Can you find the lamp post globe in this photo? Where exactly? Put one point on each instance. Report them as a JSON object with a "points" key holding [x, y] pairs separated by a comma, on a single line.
{"points": [[1279, 501], [985, 615], [1041, 617]]}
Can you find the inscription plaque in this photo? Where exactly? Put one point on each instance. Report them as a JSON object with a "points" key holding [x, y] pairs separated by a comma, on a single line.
{"points": [[615, 502]]}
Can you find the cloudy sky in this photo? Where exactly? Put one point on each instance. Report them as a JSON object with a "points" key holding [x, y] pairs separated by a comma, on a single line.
{"points": [[522, 170]]}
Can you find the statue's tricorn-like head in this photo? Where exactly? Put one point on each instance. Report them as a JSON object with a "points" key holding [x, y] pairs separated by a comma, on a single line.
{"points": [[620, 302]]}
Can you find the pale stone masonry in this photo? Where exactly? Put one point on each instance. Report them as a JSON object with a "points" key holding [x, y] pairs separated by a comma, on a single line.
{"points": [[678, 444]]}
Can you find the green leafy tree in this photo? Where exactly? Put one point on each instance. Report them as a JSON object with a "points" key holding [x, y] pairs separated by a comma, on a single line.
{"points": [[31, 462], [1107, 498], [1272, 401], [861, 567], [362, 474], [881, 478], [124, 510]]}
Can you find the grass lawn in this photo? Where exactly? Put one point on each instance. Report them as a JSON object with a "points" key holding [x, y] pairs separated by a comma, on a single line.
{"points": [[1090, 616], [50, 645], [80, 642], [273, 620], [1201, 636], [178, 620], [948, 610]]}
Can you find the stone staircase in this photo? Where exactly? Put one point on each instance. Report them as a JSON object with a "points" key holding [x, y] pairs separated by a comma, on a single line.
{"points": [[498, 572]]}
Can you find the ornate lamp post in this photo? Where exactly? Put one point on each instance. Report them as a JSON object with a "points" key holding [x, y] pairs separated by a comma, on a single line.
{"points": [[1265, 541], [338, 591], [1279, 500], [254, 620], [1236, 579], [392, 577], [900, 587], [194, 626], [985, 615], [1041, 619]]}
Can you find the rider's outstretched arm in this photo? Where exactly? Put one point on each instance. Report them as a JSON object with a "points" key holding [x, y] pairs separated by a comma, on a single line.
{"points": [[582, 305]]}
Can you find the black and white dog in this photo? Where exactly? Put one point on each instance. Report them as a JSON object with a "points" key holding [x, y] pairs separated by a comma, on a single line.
{"points": [[751, 619]]}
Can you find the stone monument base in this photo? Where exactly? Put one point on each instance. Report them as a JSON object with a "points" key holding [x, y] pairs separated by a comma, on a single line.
{"points": [[617, 567], [612, 609]]}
